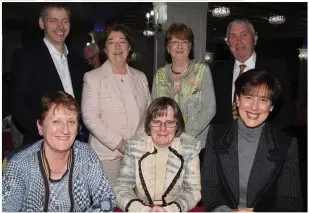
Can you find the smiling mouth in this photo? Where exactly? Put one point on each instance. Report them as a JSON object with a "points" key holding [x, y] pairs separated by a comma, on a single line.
{"points": [[252, 116], [63, 137]]}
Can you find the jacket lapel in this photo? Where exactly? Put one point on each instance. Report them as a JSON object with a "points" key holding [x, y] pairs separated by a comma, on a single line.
{"points": [[48, 67], [227, 157], [111, 82], [174, 168], [266, 165], [259, 65], [135, 89], [147, 173], [73, 70]]}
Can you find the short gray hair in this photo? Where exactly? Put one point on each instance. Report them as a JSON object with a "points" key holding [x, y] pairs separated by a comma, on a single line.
{"points": [[240, 21], [49, 6]]}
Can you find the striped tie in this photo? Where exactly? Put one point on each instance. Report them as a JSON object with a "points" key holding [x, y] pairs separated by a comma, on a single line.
{"points": [[234, 105]]}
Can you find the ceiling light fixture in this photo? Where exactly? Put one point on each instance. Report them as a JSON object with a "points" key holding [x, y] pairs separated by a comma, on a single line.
{"points": [[152, 25], [303, 53], [276, 19], [221, 12]]}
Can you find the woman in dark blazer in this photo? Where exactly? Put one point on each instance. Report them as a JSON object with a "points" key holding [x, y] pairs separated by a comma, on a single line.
{"points": [[248, 164]]}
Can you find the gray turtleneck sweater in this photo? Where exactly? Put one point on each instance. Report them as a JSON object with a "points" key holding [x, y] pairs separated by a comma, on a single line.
{"points": [[248, 140]]}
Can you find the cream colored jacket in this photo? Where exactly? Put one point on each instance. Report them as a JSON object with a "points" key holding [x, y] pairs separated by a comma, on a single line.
{"points": [[103, 108], [135, 187]]}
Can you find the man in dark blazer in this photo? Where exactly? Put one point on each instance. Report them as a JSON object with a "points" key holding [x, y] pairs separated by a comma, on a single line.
{"points": [[45, 67], [241, 39]]}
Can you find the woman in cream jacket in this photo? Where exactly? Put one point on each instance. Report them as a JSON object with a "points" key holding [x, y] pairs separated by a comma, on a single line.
{"points": [[114, 100]]}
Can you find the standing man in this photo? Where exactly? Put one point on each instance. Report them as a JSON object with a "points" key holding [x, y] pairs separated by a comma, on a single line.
{"points": [[241, 39], [44, 67], [91, 54]]}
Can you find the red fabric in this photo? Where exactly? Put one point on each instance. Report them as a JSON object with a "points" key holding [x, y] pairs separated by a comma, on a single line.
{"points": [[195, 209], [7, 144]]}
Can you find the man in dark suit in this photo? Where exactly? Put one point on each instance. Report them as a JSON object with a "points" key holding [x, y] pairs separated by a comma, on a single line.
{"points": [[241, 39], [44, 67]]}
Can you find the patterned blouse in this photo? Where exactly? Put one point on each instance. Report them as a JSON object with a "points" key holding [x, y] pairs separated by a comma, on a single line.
{"points": [[194, 93]]}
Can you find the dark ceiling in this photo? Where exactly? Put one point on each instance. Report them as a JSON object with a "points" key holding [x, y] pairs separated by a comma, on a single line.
{"points": [[258, 13], [85, 15]]}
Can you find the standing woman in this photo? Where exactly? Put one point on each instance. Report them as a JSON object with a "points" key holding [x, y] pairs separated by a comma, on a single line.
{"points": [[187, 81], [114, 100]]}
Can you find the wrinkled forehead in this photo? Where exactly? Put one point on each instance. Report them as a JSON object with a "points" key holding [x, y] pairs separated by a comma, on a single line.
{"points": [[239, 28]]}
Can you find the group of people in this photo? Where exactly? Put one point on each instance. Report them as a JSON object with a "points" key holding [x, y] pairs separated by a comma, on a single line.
{"points": [[145, 148]]}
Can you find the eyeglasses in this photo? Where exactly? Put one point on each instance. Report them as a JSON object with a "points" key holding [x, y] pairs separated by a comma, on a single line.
{"points": [[92, 57], [176, 43], [168, 124]]}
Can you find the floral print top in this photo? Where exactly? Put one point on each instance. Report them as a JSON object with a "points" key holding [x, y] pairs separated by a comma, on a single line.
{"points": [[194, 94]]}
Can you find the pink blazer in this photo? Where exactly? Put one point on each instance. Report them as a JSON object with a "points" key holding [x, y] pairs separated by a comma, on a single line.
{"points": [[103, 108]]}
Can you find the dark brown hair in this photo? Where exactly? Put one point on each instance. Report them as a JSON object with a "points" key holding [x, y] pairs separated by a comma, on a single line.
{"points": [[249, 83], [158, 108], [49, 6], [60, 99], [118, 28], [180, 31]]}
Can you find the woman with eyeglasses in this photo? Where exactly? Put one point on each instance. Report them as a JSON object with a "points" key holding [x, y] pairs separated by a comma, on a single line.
{"points": [[114, 99], [187, 81], [161, 168]]}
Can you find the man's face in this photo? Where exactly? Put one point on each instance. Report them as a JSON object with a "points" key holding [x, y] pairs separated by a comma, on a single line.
{"points": [[241, 41], [92, 57], [56, 25]]}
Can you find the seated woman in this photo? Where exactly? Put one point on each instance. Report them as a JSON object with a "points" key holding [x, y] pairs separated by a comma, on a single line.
{"points": [[161, 169], [56, 173], [248, 164]]}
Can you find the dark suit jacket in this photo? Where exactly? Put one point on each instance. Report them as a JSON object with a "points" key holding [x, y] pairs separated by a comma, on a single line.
{"points": [[274, 181], [283, 113], [33, 75]]}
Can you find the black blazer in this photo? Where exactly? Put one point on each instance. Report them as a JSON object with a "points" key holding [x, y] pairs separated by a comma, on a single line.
{"points": [[33, 75], [274, 181], [283, 113]]}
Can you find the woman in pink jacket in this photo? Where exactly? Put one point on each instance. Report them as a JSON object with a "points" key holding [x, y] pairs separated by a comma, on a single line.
{"points": [[114, 100]]}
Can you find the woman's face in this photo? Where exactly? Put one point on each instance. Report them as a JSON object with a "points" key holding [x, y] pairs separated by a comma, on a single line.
{"points": [[179, 49], [254, 109], [117, 47], [59, 128], [163, 128]]}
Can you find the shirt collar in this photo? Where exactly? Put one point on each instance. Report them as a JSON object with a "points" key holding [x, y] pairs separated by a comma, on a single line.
{"points": [[250, 63], [53, 50]]}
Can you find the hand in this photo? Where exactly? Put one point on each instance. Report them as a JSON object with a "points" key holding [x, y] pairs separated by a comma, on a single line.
{"points": [[157, 209], [121, 146], [244, 210]]}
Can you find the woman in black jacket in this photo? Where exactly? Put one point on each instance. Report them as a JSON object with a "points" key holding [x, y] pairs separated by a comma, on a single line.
{"points": [[248, 164]]}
